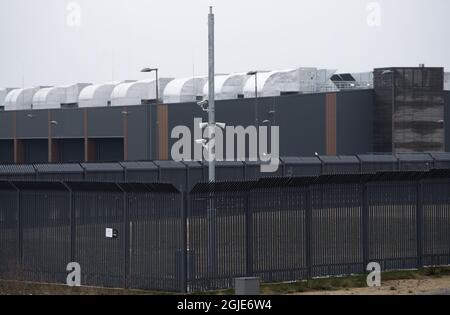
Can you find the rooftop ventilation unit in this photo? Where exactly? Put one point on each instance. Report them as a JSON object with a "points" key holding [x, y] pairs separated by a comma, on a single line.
{"points": [[274, 83], [98, 95], [56, 97], [138, 92], [228, 86], [3, 93], [20, 99], [352, 81], [185, 90]]}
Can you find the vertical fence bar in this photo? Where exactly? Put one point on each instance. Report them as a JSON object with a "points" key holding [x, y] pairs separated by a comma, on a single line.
{"points": [[419, 221], [365, 224], [19, 229], [126, 239], [248, 235], [184, 240], [308, 229]]}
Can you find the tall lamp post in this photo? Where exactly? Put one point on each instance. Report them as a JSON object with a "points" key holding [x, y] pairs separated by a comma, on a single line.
{"points": [[255, 73], [148, 70]]}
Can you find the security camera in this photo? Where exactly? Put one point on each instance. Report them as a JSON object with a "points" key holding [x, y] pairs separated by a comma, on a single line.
{"points": [[204, 105]]}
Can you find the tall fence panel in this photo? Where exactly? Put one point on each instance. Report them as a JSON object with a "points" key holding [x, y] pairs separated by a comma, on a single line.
{"points": [[45, 218], [155, 237], [392, 227], [216, 252], [336, 229], [98, 208], [436, 222], [9, 234], [278, 236]]}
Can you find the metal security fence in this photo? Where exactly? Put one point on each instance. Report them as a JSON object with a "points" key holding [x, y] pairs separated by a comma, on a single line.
{"points": [[44, 226], [155, 237], [288, 229]]}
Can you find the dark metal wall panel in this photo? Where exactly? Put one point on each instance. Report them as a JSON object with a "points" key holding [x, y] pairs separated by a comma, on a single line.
{"points": [[6, 151], [35, 151], [378, 163], [302, 124], [340, 165], [45, 218], [103, 172], [228, 171], [436, 223], [70, 123], [139, 133], [17, 172], [336, 228], [109, 150], [296, 167], [6, 125], [330, 125], [9, 237], [102, 259], [441, 160], [415, 162], [70, 150], [447, 120], [141, 172], [105, 122], [32, 124], [392, 227], [355, 110]]}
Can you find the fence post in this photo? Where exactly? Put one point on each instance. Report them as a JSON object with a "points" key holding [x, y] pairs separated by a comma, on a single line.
{"points": [[419, 220], [184, 240], [248, 235], [308, 228], [365, 224]]}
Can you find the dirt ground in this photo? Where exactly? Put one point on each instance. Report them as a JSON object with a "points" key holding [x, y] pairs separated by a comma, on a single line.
{"points": [[423, 286]]}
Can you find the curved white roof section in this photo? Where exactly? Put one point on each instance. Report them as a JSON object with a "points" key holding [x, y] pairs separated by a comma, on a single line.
{"points": [[184, 90], [98, 95], [20, 99], [273, 83], [133, 93], [3, 93], [54, 97], [227, 86]]}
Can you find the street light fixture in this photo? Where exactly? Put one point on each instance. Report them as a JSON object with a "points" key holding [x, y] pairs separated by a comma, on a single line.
{"points": [[149, 70], [255, 73]]}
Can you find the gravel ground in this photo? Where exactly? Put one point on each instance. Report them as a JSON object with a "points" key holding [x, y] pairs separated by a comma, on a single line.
{"points": [[422, 286]]}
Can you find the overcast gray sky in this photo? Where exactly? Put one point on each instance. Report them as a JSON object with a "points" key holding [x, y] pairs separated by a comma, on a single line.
{"points": [[116, 38]]}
